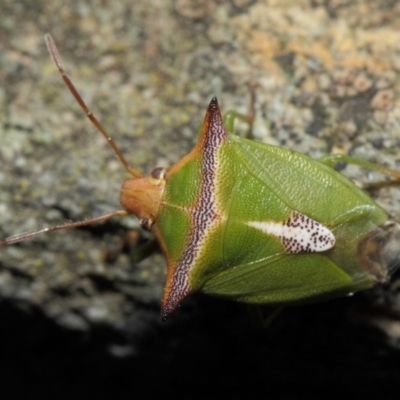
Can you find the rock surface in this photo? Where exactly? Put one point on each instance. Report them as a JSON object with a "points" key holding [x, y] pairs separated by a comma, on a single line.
{"points": [[327, 76]]}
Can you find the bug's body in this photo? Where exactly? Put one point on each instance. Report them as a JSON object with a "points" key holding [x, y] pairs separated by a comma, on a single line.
{"points": [[221, 216], [253, 222]]}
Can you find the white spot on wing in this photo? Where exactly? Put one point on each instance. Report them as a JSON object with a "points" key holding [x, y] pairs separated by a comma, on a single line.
{"points": [[299, 234]]}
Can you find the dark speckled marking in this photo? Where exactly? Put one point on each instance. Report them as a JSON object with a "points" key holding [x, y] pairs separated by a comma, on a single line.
{"points": [[204, 213], [299, 234]]}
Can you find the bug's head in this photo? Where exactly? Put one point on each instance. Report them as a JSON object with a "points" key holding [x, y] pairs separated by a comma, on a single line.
{"points": [[142, 196]]}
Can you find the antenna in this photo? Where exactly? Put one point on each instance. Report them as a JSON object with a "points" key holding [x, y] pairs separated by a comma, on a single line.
{"points": [[70, 225], [55, 55]]}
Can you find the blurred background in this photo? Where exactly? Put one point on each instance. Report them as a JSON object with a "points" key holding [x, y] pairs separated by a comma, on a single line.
{"points": [[77, 315]]}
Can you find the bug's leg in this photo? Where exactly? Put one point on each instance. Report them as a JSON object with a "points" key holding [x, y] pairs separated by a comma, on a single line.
{"points": [[140, 252], [332, 159], [229, 121], [231, 115], [260, 318], [132, 244]]}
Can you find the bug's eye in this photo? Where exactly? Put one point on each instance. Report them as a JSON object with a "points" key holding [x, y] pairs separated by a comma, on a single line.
{"points": [[158, 173], [146, 223]]}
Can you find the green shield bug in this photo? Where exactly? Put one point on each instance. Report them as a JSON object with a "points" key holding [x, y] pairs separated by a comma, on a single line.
{"points": [[253, 222]]}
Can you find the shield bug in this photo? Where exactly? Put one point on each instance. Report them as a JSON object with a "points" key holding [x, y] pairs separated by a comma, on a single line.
{"points": [[253, 222]]}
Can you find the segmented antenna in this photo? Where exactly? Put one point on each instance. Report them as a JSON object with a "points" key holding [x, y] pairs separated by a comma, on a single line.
{"points": [[70, 225], [55, 55]]}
